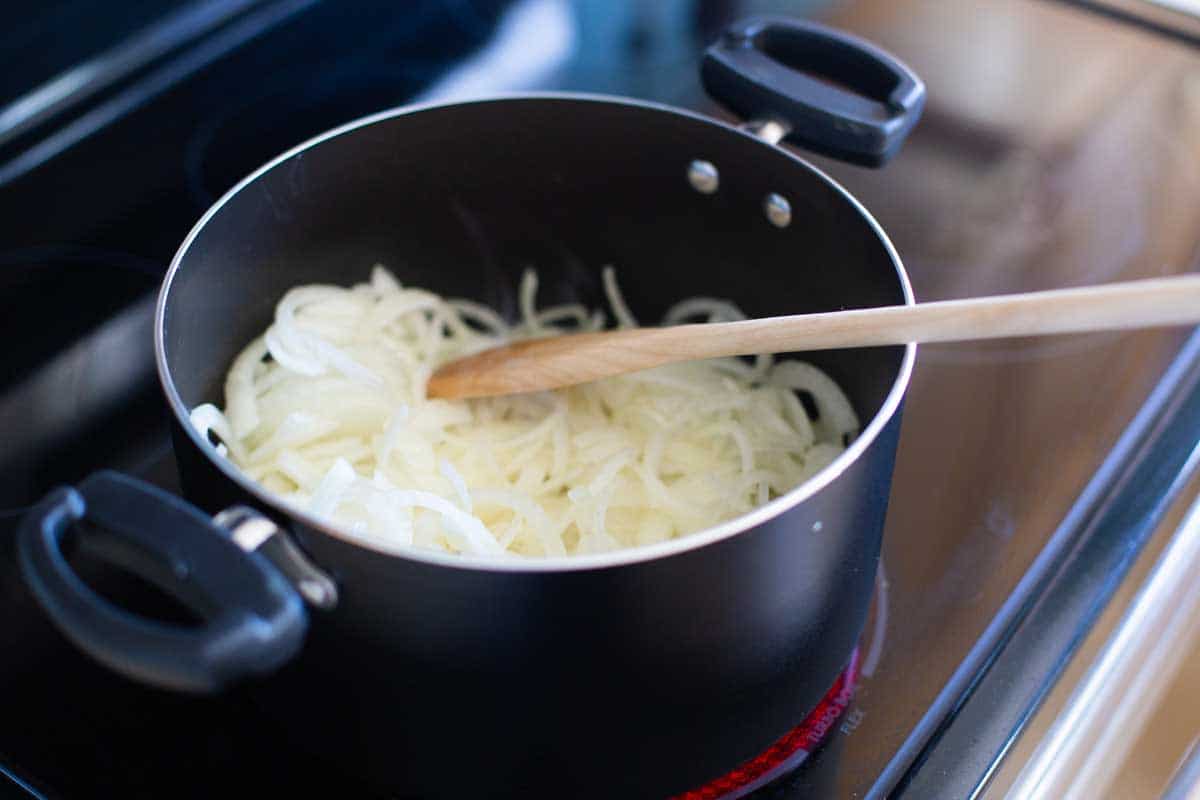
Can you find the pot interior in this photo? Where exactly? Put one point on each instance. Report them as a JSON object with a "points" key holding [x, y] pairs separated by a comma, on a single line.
{"points": [[460, 199]]}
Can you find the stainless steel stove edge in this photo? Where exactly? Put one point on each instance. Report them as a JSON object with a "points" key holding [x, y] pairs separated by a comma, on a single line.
{"points": [[972, 724]]}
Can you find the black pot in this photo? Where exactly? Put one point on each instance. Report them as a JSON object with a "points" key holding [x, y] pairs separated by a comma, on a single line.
{"points": [[639, 673]]}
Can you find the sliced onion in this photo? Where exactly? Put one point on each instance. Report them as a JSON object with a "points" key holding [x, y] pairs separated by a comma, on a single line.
{"points": [[337, 423]]}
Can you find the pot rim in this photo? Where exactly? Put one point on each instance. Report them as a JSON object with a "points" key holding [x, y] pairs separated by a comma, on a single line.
{"points": [[632, 555]]}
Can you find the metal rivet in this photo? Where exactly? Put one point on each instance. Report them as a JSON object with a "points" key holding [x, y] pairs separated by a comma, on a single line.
{"points": [[703, 176], [778, 210]]}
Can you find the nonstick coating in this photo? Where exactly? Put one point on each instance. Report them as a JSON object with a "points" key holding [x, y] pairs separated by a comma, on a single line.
{"points": [[638, 678]]}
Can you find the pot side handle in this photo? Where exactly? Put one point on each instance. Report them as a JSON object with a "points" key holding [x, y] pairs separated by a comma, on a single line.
{"points": [[835, 93], [252, 620]]}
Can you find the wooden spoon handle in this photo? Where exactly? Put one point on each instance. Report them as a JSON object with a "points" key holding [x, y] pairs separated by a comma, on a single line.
{"points": [[566, 360]]}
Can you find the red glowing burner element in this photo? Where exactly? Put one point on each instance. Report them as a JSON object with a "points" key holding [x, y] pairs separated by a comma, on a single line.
{"points": [[790, 751]]}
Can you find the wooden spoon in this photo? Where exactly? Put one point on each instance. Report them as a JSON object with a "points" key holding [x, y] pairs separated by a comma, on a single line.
{"points": [[550, 363]]}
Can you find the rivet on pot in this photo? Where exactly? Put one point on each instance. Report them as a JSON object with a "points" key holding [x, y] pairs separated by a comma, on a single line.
{"points": [[703, 177], [778, 210]]}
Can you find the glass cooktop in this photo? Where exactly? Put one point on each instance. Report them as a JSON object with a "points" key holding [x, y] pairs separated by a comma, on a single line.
{"points": [[1057, 149]]}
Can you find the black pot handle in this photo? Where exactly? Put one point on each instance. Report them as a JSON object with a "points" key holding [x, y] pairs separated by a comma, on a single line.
{"points": [[755, 70], [253, 621]]}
